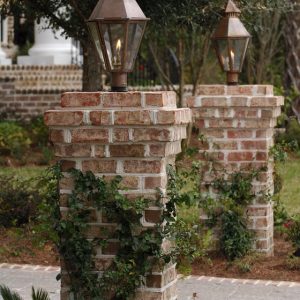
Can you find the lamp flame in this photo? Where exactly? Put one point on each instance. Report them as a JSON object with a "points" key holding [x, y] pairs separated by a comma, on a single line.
{"points": [[232, 56], [118, 46]]}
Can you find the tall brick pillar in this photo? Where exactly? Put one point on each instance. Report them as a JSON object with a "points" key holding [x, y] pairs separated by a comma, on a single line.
{"points": [[238, 122], [135, 135]]}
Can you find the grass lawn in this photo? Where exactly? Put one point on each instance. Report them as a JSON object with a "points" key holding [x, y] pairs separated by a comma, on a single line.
{"points": [[290, 194], [24, 172]]}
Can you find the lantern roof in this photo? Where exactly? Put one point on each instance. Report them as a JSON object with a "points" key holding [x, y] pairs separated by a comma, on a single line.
{"points": [[117, 9], [232, 8], [230, 25]]}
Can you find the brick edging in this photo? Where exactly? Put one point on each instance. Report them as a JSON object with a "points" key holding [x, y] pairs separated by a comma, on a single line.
{"points": [[29, 267], [258, 282]]}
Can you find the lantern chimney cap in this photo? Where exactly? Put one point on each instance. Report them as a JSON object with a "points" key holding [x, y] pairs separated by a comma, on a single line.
{"points": [[232, 8], [117, 9]]}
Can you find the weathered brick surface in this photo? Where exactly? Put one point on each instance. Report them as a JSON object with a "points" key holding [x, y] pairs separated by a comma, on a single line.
{"points": [[238, 123], [134, 135]]}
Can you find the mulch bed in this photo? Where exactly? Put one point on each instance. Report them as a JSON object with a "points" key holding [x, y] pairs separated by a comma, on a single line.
{"points": [[262, 267], [17, 246]]}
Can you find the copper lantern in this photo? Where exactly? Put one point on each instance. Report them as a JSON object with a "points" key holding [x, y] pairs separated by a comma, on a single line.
{"points": [[117, 28], [231, 41]]}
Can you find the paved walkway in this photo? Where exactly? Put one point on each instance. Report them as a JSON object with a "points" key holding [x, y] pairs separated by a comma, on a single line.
{"points": [[22, 277]]}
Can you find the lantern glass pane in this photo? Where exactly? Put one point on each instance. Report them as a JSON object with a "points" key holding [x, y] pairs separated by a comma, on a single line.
{"points": [[135, 34], [222, 51], [237, 50], [113, 35], [93, 26]]}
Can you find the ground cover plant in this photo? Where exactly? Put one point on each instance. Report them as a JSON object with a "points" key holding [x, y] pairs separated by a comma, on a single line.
{"points": [[23, 143]]}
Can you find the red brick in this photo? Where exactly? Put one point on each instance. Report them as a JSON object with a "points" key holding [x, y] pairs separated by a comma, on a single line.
{"points": [[133, 117], [261, 222], [240, 90], [127, 150], [199, 124], [153, 216], [66, 183], [76, 99], [129, 99], [167, 117], [160, 99], [56, 136], [112, 248], [239, 101], [257, 124], [226, 145], [100, 231], [211, 90], [264, 90], [63, 118], [262, 156], [100, 118], [257, 211], [265, 101], [254, 145], [66, 165], [155, 182], [221, 123], [267, 113], [72, 150], [142, 166], [90, 135], [215, 133], [99, 166], [120, 135], [240, 156], [267, 133], [239, 134], [191, 101], [153, 134], [214, 102]]}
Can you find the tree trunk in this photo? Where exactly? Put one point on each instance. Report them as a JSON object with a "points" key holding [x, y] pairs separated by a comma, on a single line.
{"points": [[92, 69], [293, 49]]}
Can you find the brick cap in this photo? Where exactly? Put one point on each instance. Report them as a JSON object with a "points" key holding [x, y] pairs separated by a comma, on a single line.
{"points": [[250, 90], [113, 99]]}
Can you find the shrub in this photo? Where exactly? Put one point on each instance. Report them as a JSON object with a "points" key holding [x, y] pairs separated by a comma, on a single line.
{"points": [[191, 243], [38, 132], [236, 240], [292, 133], [18, 201], [14, 139], [293, 230]]}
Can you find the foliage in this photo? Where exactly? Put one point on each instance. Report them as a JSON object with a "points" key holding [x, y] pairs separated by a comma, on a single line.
{"points": [[280, 212], [293, 263], [38, 131], [292, 133], [236, 239], [14, 139], [293, 230], [281, 149], [228, 213], [19, 199], [7, 294], [286, 112], [239, 188], [245, 264], [191, 242]]}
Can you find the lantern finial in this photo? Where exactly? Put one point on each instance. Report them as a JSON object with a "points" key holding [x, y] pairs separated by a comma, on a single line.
{"points": [[231, 8]]}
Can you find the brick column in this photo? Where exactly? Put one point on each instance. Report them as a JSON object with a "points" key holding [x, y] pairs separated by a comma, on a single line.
{"points": [[135, 135], [238, 122]]}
